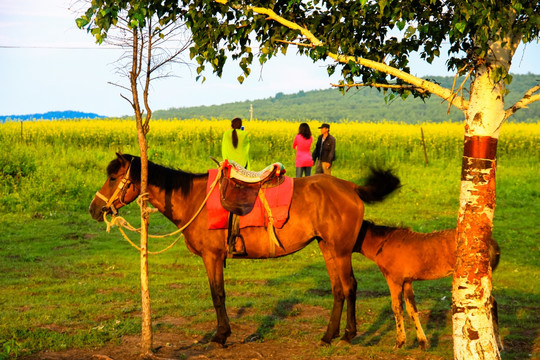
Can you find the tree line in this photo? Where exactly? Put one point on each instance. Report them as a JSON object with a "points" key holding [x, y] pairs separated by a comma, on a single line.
{"points": [[362, 105]]}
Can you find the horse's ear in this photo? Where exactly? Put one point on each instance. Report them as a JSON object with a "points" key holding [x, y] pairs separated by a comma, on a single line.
{"points": [[123, 160]]}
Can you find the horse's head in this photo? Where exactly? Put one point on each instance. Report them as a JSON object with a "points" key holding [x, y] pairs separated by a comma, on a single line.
{"points": [[118, 190]]}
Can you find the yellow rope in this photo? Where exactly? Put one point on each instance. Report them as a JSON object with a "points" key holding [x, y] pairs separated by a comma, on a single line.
{"points": [[120, 222], [270, 229]]}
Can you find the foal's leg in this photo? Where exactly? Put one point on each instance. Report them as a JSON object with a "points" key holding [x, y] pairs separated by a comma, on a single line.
{"points": [[332, 330], [495, 319], [396, 292], [413, 313], [214, 269]]}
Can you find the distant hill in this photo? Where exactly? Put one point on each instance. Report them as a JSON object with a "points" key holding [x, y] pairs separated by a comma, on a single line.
{"points": [[52, 115], [364, 104]]}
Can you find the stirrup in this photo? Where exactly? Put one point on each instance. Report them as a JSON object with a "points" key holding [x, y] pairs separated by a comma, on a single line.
{"points": [[233, 235], [232, 247]]}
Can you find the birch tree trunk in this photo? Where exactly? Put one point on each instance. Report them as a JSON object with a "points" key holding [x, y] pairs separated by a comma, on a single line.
{"points": [[474, 337]]}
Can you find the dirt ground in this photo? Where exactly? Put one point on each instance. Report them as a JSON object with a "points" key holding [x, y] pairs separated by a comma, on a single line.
{"points": [[169, 347], [172, 341], [243, 344]]}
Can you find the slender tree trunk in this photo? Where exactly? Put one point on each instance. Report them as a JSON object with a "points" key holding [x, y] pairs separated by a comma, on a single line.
{"points": [[146, 327], [474, 336], [146, 339]]}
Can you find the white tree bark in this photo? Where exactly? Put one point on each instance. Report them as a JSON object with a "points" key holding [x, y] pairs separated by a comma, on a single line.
{"points": [[474, 337]]}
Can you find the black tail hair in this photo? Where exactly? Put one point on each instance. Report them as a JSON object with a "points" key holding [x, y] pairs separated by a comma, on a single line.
{"points": [[379, 185]]}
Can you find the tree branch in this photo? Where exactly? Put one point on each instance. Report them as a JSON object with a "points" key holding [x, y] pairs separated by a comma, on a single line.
{"points": [[146, 123], [129, 101], [382, 86], [446, 94], [120, 86], [527, 99], [295, 43]]}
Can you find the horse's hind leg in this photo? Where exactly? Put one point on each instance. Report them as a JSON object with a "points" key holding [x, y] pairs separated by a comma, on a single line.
{"points": [[332, 331], [413, 313], [343, 287], [214, 269], [348, 284], [396, 292]]}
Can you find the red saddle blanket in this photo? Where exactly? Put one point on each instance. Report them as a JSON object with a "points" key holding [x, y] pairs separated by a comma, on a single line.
{"points": [[279, 198]]}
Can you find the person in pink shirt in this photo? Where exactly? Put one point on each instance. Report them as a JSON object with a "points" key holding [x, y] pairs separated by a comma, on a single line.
{"points": [[302, 144]]}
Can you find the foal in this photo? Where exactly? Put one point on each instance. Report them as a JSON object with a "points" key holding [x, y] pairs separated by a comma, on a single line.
{"points": [[404, 256]]}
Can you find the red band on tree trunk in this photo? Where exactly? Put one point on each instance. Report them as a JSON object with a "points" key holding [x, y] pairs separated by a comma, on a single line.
{"points": [[481, 147]]}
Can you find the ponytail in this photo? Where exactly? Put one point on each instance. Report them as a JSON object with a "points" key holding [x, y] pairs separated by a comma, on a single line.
{"points": [[236, 123], [234, 138]]}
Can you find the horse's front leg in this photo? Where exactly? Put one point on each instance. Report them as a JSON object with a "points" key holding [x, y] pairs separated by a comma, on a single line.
{"points": [[214, 269]]}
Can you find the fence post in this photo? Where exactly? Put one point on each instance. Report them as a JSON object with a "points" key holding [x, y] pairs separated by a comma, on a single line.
{"points": [[424, 146]]}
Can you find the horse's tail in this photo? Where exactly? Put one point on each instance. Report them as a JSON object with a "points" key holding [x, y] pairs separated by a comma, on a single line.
{"points": [[379, 184], [494, 254]]}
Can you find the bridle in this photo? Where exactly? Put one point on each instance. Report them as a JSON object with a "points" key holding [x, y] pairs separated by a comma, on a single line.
{"points": [[120, 189]]}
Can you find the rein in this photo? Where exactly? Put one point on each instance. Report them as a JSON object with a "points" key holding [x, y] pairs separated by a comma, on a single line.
{"points": [[121, 222], [120, 188]]}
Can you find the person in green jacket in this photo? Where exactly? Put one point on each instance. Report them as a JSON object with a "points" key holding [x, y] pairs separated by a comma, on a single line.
{"points": [[235, 144]]}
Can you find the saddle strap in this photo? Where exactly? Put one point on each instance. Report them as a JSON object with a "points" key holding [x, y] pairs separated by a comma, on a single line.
{"points": [[271, 230]]}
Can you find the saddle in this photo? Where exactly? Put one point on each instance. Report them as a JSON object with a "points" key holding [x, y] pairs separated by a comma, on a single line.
{"points": [[239, 187]]}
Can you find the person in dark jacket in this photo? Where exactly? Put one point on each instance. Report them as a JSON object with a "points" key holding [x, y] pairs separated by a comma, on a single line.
{"points": [[325, 151]]}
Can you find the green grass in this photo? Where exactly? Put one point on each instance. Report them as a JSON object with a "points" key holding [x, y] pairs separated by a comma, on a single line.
{"points": [[66, 283]]}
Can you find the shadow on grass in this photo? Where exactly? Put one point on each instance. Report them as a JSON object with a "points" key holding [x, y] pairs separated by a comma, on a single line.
{"points": [[519, 323], [378, 329], [282, 310], [436, 322]]}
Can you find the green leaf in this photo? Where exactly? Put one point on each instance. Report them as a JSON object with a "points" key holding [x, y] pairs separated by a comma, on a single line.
{"points": [[460, 26], [240, 79], [81, 22]]}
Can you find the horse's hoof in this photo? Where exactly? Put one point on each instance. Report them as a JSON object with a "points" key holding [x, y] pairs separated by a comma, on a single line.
{"points": [[323, 343], [213, 345], [343, 343]]}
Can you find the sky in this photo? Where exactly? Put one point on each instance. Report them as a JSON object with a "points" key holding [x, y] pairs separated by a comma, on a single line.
{"points": [[48, 64]]}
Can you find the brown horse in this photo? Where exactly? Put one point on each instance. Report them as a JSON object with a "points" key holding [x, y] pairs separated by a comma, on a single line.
{"points": [[323, 208], [404, 256]]}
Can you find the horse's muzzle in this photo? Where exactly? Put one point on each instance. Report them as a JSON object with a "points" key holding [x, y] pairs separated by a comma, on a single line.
{"points": [[97, 212]]}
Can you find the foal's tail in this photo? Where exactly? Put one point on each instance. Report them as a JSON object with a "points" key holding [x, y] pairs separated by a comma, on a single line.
{"points": [[380, 184], [494, 254]]}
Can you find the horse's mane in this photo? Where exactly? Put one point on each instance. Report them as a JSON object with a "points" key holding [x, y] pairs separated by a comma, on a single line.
{"points": [[379, 230], [160, 176]]}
